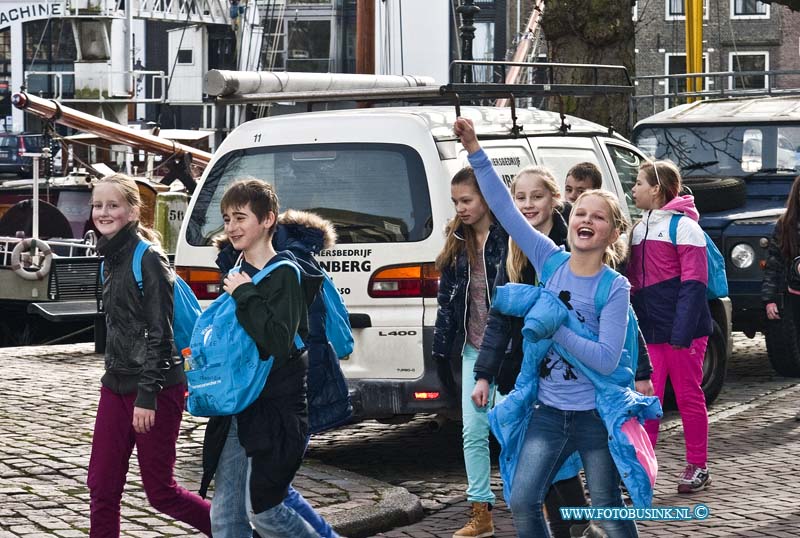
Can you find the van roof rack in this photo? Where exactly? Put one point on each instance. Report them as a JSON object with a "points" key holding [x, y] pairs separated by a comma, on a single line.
{"points": [[671, 89], [546, 83]]}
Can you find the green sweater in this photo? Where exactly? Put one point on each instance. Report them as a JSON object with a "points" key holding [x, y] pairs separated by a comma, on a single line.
{"points": [[272, 311]]}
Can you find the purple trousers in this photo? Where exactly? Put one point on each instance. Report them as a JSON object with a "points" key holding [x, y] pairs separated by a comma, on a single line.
{"points": [[684, 367], [112, 445]]}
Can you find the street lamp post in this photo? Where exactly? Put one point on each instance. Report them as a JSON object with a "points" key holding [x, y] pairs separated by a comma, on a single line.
{"points": [[467, 10]]}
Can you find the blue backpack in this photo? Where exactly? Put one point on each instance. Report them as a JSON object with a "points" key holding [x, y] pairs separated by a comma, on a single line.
{"points": [[186, 308], [337, 320], [717, 279], [227, 373]]}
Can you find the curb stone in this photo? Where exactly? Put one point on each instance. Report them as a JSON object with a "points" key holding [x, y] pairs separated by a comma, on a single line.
{"points": [[396, 506]]}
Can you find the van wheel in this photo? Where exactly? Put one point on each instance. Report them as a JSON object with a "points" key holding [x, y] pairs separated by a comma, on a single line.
{"points": [[715, 366], [717, 194], [783, 343]]}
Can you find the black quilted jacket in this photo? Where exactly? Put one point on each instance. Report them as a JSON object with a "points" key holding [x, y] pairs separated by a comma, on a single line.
{"points": [[774, 284], [448, 335]]}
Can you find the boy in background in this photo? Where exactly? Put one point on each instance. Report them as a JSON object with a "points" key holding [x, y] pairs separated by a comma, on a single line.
{"points": [[582, 177]]}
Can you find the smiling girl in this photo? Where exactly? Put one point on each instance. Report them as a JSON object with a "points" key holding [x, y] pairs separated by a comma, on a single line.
{"points": [[537, 197], [468, 264], [566, 416], [142, 393]]}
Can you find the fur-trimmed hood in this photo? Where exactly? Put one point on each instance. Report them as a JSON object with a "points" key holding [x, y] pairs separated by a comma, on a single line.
{"points": [[297, 231]]}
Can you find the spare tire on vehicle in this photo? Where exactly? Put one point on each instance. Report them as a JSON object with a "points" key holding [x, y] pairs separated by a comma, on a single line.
{"points": [[716, 194]]}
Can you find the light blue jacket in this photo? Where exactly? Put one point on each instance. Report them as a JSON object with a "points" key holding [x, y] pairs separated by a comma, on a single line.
{"points": [[615, 398]]}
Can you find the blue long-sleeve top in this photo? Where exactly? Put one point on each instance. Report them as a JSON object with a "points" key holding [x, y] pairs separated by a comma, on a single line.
{"points": [[561, 385]]}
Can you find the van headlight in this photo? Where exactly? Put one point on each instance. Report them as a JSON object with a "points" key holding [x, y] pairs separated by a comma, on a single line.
{"points": [[743, 256]]}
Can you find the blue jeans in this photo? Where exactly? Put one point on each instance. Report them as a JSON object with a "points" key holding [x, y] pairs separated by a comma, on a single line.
{"points": [[231, 512], [553, 435], [475, 432]]}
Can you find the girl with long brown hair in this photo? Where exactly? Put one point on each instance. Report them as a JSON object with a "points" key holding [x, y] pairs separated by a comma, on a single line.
{"points": [[468, 264], [669, 276], [780, 289]]}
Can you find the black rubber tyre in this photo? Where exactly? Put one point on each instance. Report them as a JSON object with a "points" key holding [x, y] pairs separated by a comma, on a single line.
{"points": [[783, 342], [717, 194], [715, 367]]}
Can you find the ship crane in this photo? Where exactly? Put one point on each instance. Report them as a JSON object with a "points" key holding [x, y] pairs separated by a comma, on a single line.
{"points": [[180, 157]]}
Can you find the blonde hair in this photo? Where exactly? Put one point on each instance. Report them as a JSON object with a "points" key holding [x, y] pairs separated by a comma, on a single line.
{"points": [[617, 251], [516, 260], [453, 245], [663, 174], [127, 186]]}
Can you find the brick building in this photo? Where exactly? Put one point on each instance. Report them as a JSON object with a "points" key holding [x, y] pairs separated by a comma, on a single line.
{"points": [[738, 36]]}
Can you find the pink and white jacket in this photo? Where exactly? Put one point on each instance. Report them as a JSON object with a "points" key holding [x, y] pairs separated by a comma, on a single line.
{"points": [[668, 282]]}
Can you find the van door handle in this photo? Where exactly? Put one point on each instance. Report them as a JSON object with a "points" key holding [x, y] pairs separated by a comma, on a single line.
{"points": [[360, 321]]}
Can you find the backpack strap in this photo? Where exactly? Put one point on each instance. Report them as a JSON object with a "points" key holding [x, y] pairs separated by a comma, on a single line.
{"points": [[270, 268], [138, 254], [136, 264], [298, 342], [604, 289], [673, 228], [553, 262]]}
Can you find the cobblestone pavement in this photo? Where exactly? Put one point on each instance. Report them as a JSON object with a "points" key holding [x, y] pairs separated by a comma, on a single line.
{"points": [[50, 395], [49, 398], [754, 452]]}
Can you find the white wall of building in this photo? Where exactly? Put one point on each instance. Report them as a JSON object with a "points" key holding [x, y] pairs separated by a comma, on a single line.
{"points": [[187, 81], [412, 37]]}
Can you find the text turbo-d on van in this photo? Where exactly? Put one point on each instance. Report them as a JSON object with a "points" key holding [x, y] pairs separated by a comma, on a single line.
{"points": [[382, 177]]}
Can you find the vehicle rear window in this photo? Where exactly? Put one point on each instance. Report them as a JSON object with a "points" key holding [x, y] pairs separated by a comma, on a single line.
{"points": [[372, 193], [8, 142], [32, 142], [748, 151]]}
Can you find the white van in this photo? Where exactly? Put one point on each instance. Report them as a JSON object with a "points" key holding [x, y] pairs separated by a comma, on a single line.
{"points": [[382, 176]]}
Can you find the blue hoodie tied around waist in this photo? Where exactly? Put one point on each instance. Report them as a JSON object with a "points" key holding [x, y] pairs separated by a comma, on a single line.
{"points": [[615, 398]]}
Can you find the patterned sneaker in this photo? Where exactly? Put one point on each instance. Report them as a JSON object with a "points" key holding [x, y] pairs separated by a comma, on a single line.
{"points": [[693, 479]]}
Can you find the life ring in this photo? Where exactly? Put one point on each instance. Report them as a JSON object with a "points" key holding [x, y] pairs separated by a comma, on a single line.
{"points": [[44, 250]]}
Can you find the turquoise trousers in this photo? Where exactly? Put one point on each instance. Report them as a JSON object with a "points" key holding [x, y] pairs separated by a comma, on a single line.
{"points": [[475, 432]]}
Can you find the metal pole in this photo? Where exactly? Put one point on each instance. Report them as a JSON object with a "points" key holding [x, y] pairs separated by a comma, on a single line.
{"points": [[36, 197], [468, 10]]}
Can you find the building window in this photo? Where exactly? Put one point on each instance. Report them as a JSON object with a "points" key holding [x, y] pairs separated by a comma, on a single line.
{"points": [[49, 47], [676, 10], [5, 45], [309, 46], [675, 64], [752, 64], [273, 46], [185, 57], [749, 9]]}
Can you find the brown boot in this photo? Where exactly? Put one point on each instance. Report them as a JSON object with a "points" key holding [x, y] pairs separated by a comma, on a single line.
{"points": [[479, 525]]}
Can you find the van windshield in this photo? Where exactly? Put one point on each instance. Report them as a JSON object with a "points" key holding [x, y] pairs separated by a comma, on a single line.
{"points": [[372, 193], [746, 151]]}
